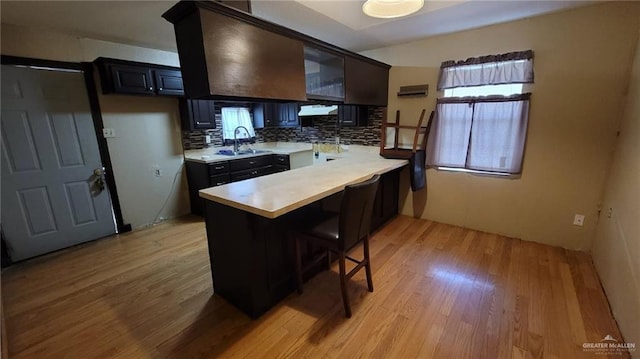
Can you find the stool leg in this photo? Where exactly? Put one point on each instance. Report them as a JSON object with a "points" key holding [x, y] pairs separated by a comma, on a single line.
{"points": [[343, 285], [367, 266], [296, 241]]}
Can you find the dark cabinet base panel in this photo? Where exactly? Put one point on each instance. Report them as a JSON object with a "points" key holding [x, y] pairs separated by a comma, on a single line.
{"points": [[252, 256]]}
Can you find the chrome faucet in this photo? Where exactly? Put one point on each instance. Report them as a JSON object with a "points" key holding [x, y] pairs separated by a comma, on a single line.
{"points": [[236, 145]]}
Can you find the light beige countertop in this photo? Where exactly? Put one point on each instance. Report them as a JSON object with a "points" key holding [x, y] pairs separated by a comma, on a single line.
{"points": [[276, 194], [209, 155]]}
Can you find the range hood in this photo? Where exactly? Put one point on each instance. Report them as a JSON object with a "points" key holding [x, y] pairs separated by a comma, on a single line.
{"points": [[318, 110]]}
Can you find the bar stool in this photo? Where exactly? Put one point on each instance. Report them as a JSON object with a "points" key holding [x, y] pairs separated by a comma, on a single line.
{"points": [[339, 232], [416, 154]]}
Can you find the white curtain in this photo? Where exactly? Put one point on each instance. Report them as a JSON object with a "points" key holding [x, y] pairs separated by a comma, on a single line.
{"points": [[514, 67], [485, 134], [232, 117], [449, 136], [498, 136]]}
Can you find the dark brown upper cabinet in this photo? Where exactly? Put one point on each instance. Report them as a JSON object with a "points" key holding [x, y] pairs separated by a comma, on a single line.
{"points": [[244, 5], [264, 115], [226, 57], [197, 114], [276, 115], [289, 115], [230, 54], [352, 115], [168, 82], [131, 79], [137, 78], [366, 83]]}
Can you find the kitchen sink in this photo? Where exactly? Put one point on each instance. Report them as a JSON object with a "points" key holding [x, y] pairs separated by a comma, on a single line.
{"points": [[243, 152]]}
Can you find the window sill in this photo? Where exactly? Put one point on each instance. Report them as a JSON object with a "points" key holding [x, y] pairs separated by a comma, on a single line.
{"points": [[479, 173]]}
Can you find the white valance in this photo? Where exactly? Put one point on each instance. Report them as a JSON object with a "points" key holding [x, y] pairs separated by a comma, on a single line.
{"points": [[514, 67]]}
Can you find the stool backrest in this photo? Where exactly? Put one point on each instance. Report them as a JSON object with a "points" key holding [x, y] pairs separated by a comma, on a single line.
{"points": [[356, 210]]}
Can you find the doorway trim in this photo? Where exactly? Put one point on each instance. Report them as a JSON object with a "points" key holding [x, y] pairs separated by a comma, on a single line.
{"points": [[90, 85]]}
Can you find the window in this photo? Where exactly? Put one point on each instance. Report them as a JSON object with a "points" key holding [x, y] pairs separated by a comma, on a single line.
{"points": [[485, 90], [481, 122], [235, 118]]}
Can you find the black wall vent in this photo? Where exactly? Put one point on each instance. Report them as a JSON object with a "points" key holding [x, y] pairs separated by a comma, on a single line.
{"points": [[413, 90]]}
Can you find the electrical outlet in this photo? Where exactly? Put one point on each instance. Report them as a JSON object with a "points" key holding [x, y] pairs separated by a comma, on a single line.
{"points": [[578, 220], [108, 132], [609, 212], [207, 139]]}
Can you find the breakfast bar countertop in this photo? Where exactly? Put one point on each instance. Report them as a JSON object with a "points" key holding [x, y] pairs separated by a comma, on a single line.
{"points": [[279, 193], [248, 221]]}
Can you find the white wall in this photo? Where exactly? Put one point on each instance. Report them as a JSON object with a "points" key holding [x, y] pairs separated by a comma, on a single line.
{"points": [[147, 128], [616, 249], [147, 135]]}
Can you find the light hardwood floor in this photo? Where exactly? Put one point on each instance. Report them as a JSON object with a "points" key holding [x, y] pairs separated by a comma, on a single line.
{"points": [[440, 292]]}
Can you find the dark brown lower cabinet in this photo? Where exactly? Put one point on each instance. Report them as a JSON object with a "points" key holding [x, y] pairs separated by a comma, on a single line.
{"points": [[197, 179], [204, 175], [386, 205], [252, 256], [251, 173]]}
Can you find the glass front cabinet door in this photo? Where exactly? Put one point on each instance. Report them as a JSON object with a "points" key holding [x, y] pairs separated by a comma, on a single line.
{"points": [[324, 75]]}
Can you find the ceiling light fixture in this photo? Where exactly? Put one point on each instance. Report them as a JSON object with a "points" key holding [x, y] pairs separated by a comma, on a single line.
{"points": [[388, 9]]}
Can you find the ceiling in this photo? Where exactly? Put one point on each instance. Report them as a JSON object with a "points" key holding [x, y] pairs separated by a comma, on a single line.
{"points": [[338, 22]]}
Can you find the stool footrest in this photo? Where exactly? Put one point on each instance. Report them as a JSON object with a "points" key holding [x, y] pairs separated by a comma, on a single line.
{"points": [[356, 268]]}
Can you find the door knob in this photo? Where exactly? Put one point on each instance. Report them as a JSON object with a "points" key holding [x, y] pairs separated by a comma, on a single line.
{"points": [[97, 181]]}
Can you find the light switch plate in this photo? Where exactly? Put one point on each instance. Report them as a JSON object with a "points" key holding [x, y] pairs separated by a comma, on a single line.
{"points": [[578, 220]]}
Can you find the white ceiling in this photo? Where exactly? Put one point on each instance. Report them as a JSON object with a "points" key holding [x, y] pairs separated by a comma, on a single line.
{"points": [[338, 22]]}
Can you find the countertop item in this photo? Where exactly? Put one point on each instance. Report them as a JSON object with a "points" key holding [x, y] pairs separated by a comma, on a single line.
{"points": [[210, 155], [274, 195]]}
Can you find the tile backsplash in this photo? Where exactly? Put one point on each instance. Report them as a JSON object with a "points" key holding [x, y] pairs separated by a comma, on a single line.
{"points": [[324, 129]]}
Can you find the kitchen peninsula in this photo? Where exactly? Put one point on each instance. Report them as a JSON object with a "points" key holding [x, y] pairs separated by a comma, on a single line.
{"points": [[247, 222], [250, 205]]}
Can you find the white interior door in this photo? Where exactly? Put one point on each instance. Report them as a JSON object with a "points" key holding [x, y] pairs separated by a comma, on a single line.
{"points": [[51, 198]]}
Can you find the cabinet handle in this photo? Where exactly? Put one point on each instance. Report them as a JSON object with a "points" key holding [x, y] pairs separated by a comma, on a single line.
{"points": [[252, 162], [197, 122], [281, 159], [219, 167], [150, 88], [159, 88], [220, 183], [254, 172]]}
